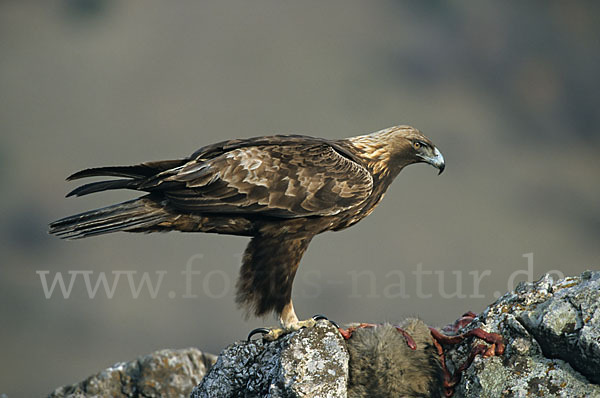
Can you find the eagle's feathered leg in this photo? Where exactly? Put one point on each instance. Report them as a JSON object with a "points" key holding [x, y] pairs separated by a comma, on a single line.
{"points": [[265, 284]]}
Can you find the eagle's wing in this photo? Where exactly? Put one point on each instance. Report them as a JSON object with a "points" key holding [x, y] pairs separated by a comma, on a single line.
{"points": [[291, 180]]}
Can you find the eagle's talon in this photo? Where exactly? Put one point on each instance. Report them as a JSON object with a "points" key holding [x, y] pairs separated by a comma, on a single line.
{"points": [[272, 334], [263, 331], [269, 334], [320, 317]]}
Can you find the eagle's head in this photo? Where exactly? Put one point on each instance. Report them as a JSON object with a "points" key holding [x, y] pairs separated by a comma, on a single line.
{"points": [[393, 148], [417, 148]]}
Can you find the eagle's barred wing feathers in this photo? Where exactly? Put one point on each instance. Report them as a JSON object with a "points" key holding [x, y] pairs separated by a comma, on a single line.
{"points": [[287, 181]]}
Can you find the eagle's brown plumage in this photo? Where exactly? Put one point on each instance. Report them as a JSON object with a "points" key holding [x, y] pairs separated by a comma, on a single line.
{"points": [[279, 190]]}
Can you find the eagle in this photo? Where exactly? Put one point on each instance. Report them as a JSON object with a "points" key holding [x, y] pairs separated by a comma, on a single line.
{"points": [[279, 190]]}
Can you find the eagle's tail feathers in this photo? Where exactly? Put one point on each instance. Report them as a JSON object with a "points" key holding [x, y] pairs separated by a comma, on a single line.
{"points": [[127, 216], [103, 186], [114, 171], [139, 171]]}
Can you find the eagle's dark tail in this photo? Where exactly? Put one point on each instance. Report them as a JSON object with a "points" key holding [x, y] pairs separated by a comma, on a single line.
{"points": [[142, 214], [138, 177], [134, 215]]}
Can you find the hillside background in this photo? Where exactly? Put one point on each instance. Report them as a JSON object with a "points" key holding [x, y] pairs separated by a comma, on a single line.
{"points": [[509, 92]]}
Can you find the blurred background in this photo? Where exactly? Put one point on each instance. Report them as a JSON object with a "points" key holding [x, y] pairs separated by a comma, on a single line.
{"points": [[509, 92]]}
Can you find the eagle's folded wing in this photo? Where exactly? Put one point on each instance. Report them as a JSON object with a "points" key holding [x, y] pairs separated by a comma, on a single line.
{"points": [[287, 181]]}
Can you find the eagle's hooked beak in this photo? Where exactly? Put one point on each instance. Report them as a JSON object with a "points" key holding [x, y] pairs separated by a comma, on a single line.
{"points": [[436, 160]]}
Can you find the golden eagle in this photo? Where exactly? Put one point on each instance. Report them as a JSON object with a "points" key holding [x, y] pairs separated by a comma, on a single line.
{"points": [[280, 190]]}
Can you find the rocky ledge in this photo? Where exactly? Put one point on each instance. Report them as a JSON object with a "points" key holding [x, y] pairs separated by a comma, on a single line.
{"points": [[164, 373], [551, 331]]}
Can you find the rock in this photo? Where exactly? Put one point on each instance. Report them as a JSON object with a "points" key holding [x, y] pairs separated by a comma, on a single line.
{"points": [[311, 362], [551, 329], [552, 334], [164, 373], [318, 362]]}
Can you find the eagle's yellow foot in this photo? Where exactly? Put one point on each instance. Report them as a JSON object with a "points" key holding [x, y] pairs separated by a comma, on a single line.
{"points": [[275, 333]]}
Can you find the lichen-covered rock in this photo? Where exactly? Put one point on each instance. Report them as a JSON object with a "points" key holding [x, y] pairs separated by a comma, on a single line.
{"points": [[164, 373], [552, 331], [311, 362]]}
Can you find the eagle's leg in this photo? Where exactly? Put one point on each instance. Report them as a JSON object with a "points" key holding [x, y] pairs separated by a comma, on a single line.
{"points": [[288, 322], [265, 285], [288, 317], [271, 334]]}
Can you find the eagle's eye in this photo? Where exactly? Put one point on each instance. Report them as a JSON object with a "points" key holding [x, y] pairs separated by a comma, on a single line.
{"points": [[417, 145]]}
